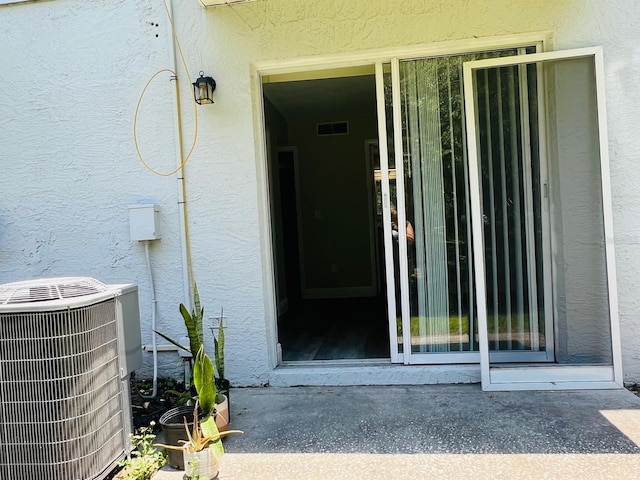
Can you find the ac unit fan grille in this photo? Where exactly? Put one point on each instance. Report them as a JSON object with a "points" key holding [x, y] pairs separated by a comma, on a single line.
{"points": [[61, 395], [49, 289]]}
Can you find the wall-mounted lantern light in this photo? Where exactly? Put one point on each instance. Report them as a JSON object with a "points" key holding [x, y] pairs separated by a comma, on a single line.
{"points": [[203, 89]]}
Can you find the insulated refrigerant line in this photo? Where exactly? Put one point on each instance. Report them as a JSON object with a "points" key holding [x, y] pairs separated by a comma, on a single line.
{"points": [[154, 309]]}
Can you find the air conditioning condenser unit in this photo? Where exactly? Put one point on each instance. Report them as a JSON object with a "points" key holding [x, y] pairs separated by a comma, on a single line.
{"points": [[67, 347]]}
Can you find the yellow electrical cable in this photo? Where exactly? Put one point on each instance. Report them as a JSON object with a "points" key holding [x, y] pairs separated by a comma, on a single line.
{"points": [[184, 160], [195, 109], [175, 35], [183, 183], [135, 130]]}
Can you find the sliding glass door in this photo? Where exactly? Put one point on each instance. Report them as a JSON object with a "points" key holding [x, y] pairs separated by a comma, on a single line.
{"points": [[497, 216], [429, 224]]}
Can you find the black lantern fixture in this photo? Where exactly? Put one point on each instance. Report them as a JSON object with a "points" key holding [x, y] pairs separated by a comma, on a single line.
{"points": [[203, 89]]}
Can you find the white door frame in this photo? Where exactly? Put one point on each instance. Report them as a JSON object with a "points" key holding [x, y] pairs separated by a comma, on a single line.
{"points": [[264, 69]]}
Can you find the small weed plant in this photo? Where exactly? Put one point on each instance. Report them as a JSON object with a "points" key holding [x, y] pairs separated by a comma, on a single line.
{"points": [[144, 460]]}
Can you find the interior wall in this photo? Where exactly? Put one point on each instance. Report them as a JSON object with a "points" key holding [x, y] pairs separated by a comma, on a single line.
{"points": [[334, 206]]}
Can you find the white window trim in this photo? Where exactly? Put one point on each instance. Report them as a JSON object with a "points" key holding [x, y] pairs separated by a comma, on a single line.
{"points": [[386, 55]]}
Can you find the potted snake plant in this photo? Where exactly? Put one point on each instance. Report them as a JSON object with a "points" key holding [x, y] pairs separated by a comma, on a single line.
{"points": [[194, 323], [222, 384], [203, 449]]}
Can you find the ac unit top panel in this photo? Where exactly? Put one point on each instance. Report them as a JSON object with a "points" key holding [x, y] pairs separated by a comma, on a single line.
{"points": [[56, 294], [216, 3]]}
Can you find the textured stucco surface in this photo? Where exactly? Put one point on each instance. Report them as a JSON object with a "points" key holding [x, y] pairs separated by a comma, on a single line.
{"points": [[72, 73]]}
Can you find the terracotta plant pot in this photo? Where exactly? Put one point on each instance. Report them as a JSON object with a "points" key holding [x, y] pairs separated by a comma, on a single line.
{"points": [[222, 414], [201, 465]]}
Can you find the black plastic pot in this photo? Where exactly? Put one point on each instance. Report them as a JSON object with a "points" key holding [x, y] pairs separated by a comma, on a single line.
{"points": [[172, 424]]}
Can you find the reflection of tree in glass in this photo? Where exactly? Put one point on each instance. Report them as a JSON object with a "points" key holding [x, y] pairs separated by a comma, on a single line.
{"points": [[433, 129]]}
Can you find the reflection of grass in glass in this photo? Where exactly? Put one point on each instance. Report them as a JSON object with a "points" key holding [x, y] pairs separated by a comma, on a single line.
{"points": [[460, 325], [503, 323], [457, 325]]}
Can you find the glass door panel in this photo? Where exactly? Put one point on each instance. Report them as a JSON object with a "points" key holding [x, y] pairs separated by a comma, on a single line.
{"points": [[437, 221], [510, 189], [436, 196], [513, 284]]}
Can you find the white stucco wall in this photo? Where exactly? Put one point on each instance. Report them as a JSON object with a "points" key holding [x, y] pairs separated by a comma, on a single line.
{"points": [[70, 78]]}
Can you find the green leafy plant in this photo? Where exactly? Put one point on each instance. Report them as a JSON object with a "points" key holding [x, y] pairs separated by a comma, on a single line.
{"points": [[204, 382], [197, 440], [177, 397], [206, 388], [144, 459], [203, 434], [193, 323], [218, 340]]}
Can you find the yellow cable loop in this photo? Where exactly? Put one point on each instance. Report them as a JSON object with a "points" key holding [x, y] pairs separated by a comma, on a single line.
{"points": [[195, 137], [195, 108], [135, 130]]}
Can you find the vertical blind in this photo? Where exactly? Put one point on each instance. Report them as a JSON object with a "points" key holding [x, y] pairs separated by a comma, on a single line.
{"points": [[441, 288]]}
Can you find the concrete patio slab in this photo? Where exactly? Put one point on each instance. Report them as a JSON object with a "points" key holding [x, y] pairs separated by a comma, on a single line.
{"points": [[439, 431]]}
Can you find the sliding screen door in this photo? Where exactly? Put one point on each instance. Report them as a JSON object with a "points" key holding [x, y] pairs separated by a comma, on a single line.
{"points": [[509, 198]]}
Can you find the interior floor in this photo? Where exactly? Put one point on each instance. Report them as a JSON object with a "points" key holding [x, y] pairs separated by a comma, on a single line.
{"points": [[335, 329]]}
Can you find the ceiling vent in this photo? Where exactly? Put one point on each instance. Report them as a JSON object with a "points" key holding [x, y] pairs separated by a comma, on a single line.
{"points": [[217, 3], [67, 346], [333, 128]]}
